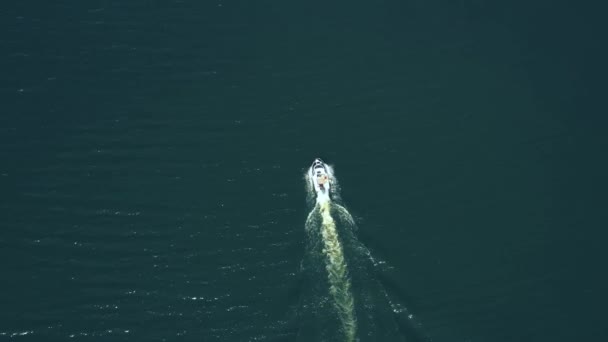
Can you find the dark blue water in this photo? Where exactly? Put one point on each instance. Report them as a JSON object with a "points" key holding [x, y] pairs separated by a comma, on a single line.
{"points": [[153, 155]]}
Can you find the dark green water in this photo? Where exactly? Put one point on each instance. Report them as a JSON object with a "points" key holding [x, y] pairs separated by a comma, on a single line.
{"points": [[152, 155]]}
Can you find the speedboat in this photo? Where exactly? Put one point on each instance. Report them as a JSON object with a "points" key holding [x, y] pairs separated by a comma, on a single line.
{"points": [[320, 177]]}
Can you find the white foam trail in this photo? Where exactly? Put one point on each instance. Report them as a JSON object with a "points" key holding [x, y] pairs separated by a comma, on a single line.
{"points": [[337, 272]]}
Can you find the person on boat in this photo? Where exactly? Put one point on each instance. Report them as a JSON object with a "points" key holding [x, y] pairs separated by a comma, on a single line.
{"points": [[321, 180]]}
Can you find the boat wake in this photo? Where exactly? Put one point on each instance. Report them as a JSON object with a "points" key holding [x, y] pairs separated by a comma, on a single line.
{"points": [[337, 270], [342, 299]]}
